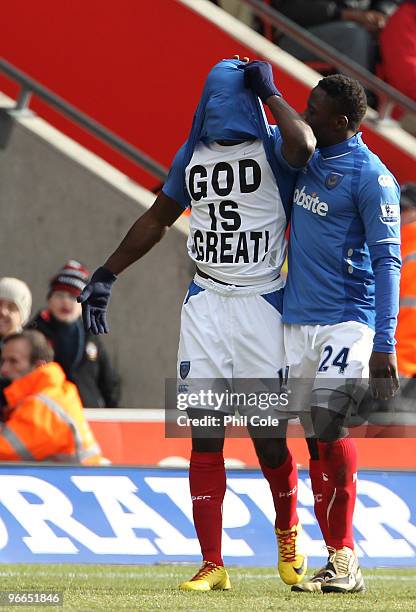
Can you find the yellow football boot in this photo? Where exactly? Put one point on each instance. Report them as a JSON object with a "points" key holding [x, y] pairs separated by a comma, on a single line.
{"points": [[293, 563], [210, 577]]}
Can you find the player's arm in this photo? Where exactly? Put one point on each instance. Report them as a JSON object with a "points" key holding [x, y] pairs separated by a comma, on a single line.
{"points": [[299, 142], [147, 231], [150, 228], [141, 237], [386, 262], [378, 202]]}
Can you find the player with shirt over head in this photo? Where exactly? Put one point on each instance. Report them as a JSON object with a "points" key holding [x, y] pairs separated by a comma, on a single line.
{"points": [[236, 173], [340, 306]]}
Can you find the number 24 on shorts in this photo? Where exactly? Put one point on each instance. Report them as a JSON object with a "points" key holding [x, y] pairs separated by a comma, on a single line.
{"points": [[340, 360]]}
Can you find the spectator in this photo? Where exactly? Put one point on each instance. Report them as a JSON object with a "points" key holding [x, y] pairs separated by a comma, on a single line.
{"points": [[398, 53], [42, 412], [406, 328], [398, 49], [350, 26], [15, 305], [81, 355]]}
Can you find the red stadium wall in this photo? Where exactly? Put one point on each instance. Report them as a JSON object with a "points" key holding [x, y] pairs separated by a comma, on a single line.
{"points": [[136, 67], [144, 443]]}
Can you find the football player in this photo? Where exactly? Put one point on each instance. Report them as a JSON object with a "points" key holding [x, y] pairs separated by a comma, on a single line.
{"points": [[236, 173], [340, 307]]}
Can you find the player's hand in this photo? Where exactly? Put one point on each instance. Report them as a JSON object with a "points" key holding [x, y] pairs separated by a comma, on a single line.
{"points": [[258, 76], [94, 300], [384, 380], [243, 59]]}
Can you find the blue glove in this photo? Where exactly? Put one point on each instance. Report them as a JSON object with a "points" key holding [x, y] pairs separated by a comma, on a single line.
{"points": [[258, 76], [94, 300]]}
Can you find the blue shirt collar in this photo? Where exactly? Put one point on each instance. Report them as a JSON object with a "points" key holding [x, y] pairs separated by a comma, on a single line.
{"points": [[342, 147]]}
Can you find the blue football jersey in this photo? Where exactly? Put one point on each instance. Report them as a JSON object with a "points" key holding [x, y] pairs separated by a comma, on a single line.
{"points": [[346, 205]]}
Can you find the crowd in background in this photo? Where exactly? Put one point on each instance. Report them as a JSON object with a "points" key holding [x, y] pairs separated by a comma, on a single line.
{"points": [[50, 370], [82, 356], [379, 35]]}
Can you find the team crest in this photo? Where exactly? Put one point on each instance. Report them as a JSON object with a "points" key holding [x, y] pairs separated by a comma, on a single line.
{"points": [[184, 368], [333, 179]]}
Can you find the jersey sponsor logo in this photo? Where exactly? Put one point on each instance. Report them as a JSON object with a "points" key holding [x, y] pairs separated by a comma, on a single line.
{"points": [[333, 179], [310, 202], [385, 180], [184, 368], [390, 213]]}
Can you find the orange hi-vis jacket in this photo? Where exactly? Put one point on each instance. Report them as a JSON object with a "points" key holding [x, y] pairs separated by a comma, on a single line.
{"points": [[406, 326], [45, 421]]}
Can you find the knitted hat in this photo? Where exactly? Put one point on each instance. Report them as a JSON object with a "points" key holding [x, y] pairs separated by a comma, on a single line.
{"points": [[19, 293], [71, 278], [408, 196]]}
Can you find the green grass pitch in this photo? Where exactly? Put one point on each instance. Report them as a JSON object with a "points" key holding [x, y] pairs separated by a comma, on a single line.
{"points": [[115, 587]]}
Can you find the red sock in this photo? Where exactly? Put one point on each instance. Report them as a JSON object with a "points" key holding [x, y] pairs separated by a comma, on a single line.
{"points": [[283, 482], [207, 485], [339, 462], [320, 496]]}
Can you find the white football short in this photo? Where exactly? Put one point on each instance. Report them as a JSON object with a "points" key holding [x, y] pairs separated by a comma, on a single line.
{"points": [[231, 335], [325, 358]]}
